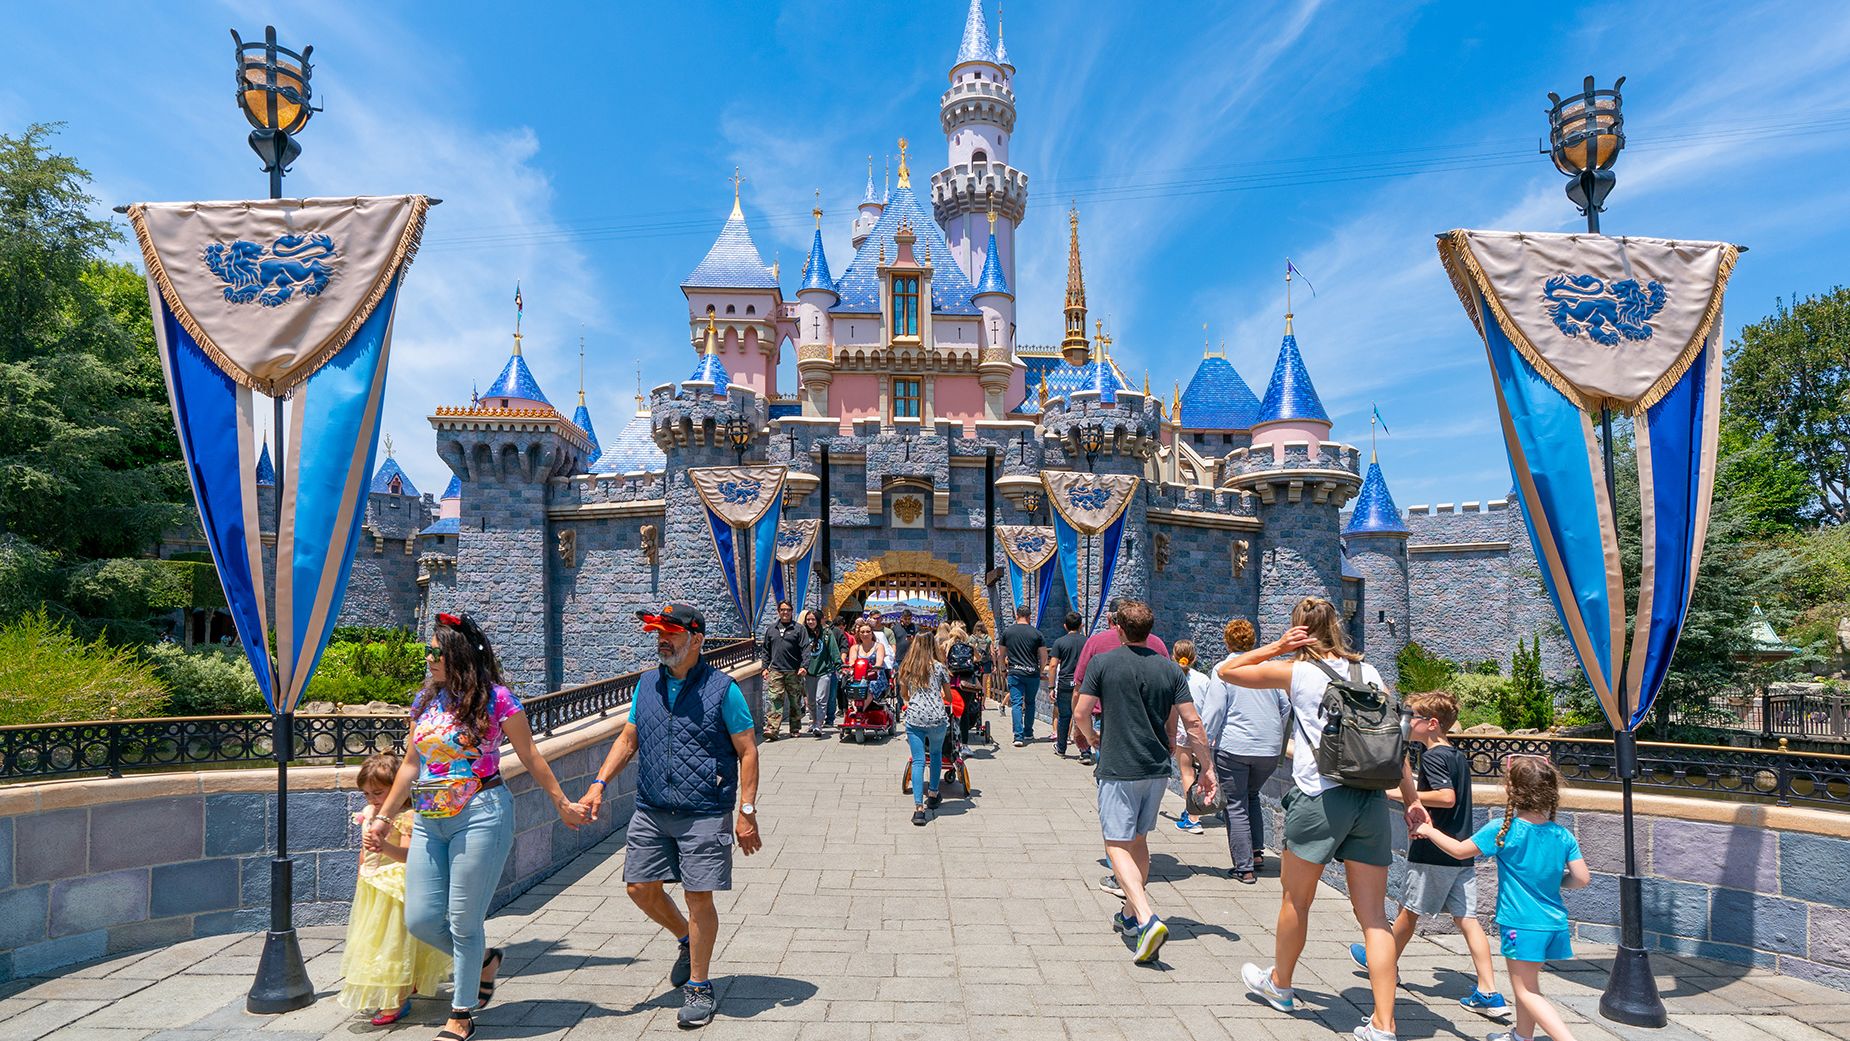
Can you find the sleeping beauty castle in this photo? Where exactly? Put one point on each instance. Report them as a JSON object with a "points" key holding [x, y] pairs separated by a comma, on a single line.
{"points": [[926, 456]]}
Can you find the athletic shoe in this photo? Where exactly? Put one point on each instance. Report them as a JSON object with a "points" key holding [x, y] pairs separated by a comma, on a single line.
{"points": [[1018, 742], [1189, 824], [1359, 953], [697, 1006], [1489, 1005], [1507, 1035], [1124, 924], [1150, 939], [933, 799], [683, 967], [1085, 758], [1110, 885], [1367, 1032], [1259, 984], [918, 816]]}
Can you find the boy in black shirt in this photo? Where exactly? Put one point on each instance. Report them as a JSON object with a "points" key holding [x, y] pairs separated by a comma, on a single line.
{"points": [[1437, 883]]}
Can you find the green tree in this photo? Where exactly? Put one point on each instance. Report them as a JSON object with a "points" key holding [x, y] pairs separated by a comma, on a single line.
{"points": [[1766, 485], [1421, 670], [1528, 703], [1788, 379], [89, 465]]}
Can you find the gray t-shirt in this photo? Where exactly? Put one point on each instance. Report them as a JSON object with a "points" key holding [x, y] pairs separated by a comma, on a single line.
{"points": [[1138, 688]]}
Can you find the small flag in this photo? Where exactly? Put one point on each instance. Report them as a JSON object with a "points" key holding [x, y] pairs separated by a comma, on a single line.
{"points": [[1292, 269], [1378, 419], [518, 307]]}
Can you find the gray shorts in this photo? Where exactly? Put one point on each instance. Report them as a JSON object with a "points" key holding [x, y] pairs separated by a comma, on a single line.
{"points": [[1127, 809], [676, 847], [1441, 889]]}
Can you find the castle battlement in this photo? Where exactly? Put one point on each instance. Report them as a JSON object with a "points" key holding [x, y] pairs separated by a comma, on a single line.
{"points": [[696, 416]]}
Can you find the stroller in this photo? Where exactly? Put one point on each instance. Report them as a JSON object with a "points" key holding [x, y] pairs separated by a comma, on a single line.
{"points": [[971, 726], [955, 758], [868, 714]]}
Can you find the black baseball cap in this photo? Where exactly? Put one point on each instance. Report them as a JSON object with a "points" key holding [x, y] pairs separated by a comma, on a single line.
{"points": [[675, 617]]}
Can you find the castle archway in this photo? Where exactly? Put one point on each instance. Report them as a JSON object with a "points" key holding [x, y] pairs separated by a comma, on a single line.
{"points": [[901, 573]]}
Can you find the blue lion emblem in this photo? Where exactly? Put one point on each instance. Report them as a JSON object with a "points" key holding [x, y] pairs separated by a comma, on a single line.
{"points": [[741, 493], [789, 539], [1030, 544], [1582, 304], [1089, 497], [272, 277]]}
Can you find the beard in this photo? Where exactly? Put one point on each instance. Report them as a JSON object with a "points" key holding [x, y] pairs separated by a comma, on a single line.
{"points": [[668, 655]]}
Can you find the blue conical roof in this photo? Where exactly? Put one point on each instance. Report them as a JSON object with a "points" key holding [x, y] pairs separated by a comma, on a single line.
{"points": [[992, 280], [1375, 512], [454, 489], [1290, 394], [266, 470], [1102, 377], [516, 381], [975, 44], [1218, 399], [734, 261], [859, 285], [382, 481], [816, 268], [581, 418], [711, 371]]}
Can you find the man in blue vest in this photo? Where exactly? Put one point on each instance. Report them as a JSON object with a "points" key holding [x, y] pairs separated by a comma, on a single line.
{"points": [[691, 734]]}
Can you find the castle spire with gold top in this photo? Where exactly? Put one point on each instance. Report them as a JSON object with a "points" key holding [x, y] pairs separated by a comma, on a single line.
{"points": [[1074, 346]]}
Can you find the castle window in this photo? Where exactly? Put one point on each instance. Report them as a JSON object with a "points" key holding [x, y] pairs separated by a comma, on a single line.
{"points": [[979, 156], [751, 308], [395, 486], [905, 305], [1380, 616], [731, 309], [908, 396]]}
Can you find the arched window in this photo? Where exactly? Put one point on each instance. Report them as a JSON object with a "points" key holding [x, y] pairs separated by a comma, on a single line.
{"points": [[979, 156], [751, 308], [732, 309], [395, 486]]}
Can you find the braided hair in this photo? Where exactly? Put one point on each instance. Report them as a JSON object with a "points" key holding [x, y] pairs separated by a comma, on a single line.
{"points": [[471, 674], [1532, 785]]}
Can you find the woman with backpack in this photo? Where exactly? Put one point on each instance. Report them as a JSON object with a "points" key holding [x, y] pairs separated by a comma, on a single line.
{"points": [[1348, 747], [822, 654]]}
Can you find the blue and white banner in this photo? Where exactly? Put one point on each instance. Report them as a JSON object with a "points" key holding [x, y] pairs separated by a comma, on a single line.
{"points": [[1113, 541], [748, 500], [1086, 504], [1032, 554], [796, 547], [1573, 324], [289, 298]]}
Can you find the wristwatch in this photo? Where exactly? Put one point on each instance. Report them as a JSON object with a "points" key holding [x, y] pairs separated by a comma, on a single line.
{"points": [[748, 809]]}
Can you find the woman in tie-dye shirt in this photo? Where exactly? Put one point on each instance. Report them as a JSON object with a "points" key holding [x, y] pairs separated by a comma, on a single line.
{"points": [[465, 826]]}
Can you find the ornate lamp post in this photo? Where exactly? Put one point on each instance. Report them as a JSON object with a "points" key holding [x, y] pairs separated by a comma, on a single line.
{"points": [[1586, 133], [273, 92], [1092, 442], [739, 434], [1031, 503]]}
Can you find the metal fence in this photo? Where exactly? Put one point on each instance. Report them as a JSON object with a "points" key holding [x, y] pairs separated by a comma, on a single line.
{"points": [[1801, 714], [56, 750], [1780, 777]]}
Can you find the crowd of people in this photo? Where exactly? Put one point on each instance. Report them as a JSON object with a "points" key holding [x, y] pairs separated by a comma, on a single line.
{"points": [[438, 824]]}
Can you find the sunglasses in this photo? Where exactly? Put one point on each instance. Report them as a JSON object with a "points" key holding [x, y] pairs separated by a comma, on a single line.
{"points": [[1513, 756], [432, 653]]}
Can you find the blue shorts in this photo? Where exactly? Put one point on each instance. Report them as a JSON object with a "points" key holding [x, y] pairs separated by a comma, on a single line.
{"points": [[1127, 809], [1537, 945]]}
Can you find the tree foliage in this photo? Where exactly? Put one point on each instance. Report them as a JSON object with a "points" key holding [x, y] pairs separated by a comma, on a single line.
{"points": [[1789, 380], [49, 675], [1421, 670], [1527, 703]]}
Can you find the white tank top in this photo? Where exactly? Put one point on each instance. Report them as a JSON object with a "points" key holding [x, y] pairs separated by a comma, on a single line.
{"points": [[1308, 684]]}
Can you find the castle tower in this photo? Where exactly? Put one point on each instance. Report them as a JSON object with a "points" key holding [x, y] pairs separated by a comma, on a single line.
{"points": [[815, 359], [581, 416], [734, 284], [1074, 346], [1291, 411], [977, 114], [1375, 542], [1217, 402], [997, 302], [873, 204]]}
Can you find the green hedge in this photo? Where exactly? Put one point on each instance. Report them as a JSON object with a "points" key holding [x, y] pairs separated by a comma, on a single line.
{"points": [[48, 675]]}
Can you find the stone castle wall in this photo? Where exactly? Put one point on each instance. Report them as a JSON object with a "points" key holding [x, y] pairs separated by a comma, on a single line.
{"points": [[1474, 586]]}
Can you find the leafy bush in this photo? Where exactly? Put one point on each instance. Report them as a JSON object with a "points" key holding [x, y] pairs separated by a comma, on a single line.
{"points": [[1529, 704], [26, 576], [1480, 698], [209, 681], [369, 634], [1487, 667], [133, 589], [355, 673], [48, 675], [1422, 671]]}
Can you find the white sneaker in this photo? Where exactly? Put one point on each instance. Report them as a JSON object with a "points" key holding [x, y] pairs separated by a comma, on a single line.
{"points": [[1368, 1032], [1259, 984]]}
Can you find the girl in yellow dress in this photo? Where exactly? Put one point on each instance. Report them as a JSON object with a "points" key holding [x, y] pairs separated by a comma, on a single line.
{"points": [[383, 964]]}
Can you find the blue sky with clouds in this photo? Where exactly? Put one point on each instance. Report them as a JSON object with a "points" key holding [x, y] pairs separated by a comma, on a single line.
{"points": [[585, 151]]}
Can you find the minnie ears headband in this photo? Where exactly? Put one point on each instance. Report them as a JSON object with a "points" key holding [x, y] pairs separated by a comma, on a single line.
{"points": [[465, 625]]}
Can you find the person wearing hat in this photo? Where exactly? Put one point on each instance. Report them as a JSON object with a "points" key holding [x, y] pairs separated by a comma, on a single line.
{"points": [[691, 734]]}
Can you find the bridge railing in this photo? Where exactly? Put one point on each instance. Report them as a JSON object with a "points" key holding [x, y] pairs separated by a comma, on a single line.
{"points": [[43, 752], [1777, 776]]}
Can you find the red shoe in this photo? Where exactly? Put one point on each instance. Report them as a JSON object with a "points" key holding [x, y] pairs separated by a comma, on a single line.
{"points": [[386, 1019]]}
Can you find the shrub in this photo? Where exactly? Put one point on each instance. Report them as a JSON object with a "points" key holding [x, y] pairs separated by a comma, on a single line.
{"points": [[358, 672], [48, 675], [1529, 703], [1422, 671], [26, 576], [209, 681], [1480, 699]]}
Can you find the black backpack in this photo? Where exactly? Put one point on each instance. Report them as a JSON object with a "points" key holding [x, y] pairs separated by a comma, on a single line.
{"points": [[961, 659], [1364, 732]]}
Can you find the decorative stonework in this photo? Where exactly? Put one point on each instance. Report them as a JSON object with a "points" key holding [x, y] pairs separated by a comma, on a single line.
{"points": [[912, 562], [908, 509]]}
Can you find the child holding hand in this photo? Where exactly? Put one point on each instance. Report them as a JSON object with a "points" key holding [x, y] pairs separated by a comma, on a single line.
{"points": [[1536, 859], [383, 963]]}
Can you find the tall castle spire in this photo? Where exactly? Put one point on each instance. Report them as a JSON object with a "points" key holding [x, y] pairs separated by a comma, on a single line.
{"points": [[1074, 345], [975, 44]]}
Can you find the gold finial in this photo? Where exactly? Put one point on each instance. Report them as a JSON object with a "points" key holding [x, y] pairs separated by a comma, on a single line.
{"points": [[1146, 383], [905, 170], [388, 446], [1207, 345], [1175, 403], [817, 212], [737, 179], [1223, 348], [777, 266], [712, 333], [1288, 270], [992, 217], [639, 398], [1043, 391], [581, 366]]}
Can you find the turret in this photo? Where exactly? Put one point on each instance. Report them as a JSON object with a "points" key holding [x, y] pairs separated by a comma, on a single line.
{"points": [[994, 298], [815, 359], [734, 286], [872, 206], [977, 114], [1217, 402], [1375, 542], [581, 416], [1291, 411], [1074, 346]]}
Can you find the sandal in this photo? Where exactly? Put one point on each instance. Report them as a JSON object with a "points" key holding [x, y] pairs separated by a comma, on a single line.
{"points": [[385, 1017], [486, 992], [1246, 878], [450, 1035]]}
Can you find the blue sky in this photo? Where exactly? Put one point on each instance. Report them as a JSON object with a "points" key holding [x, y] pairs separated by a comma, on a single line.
{"points": [[585, 151]]}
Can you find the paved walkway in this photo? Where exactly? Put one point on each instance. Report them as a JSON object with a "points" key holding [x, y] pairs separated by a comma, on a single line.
{"points": [[854, 924]]}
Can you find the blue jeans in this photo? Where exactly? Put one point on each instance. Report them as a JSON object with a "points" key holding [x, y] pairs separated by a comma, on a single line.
{"points": [[450, 878], [1022, 690], [1062, 718], [927, 759]]}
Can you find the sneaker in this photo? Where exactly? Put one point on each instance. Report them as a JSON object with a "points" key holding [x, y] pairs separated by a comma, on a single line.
{"points": [[683, 967], [918, 816], [933, 800], [1368, 1032], [1110, 885], [1359, 954], [1085, 758], [697, 1006], [1259, 984], [1018, 742], [1189, 824], [1124, 924], [1507, 1035], [1489, 1005], [1150, 939]]}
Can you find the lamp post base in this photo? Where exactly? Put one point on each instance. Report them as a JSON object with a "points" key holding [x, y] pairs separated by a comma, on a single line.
{"points": [[1631, 990], [282, 983]]}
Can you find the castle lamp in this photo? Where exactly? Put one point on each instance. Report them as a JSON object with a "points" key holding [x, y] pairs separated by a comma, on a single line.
{"points": [[1092, 442], [739, 433], [1585, 135], [274, 93]]}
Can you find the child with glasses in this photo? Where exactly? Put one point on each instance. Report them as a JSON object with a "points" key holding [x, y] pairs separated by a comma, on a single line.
{"points": [[1437, 881], [1536, 859]]}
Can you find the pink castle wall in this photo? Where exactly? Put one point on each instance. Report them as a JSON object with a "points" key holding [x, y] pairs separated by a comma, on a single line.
{"points": [[960, 398], [1276, 434], [854, 395]]}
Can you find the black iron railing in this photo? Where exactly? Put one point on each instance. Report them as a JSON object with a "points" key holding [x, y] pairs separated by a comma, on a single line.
{"points": [[1780, 777], [1801, 714], [112, 747]]}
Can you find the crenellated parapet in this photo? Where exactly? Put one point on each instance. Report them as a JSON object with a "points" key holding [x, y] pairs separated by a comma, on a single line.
{"points": [[1130, 425], [1322, 472], [693, 418]]}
